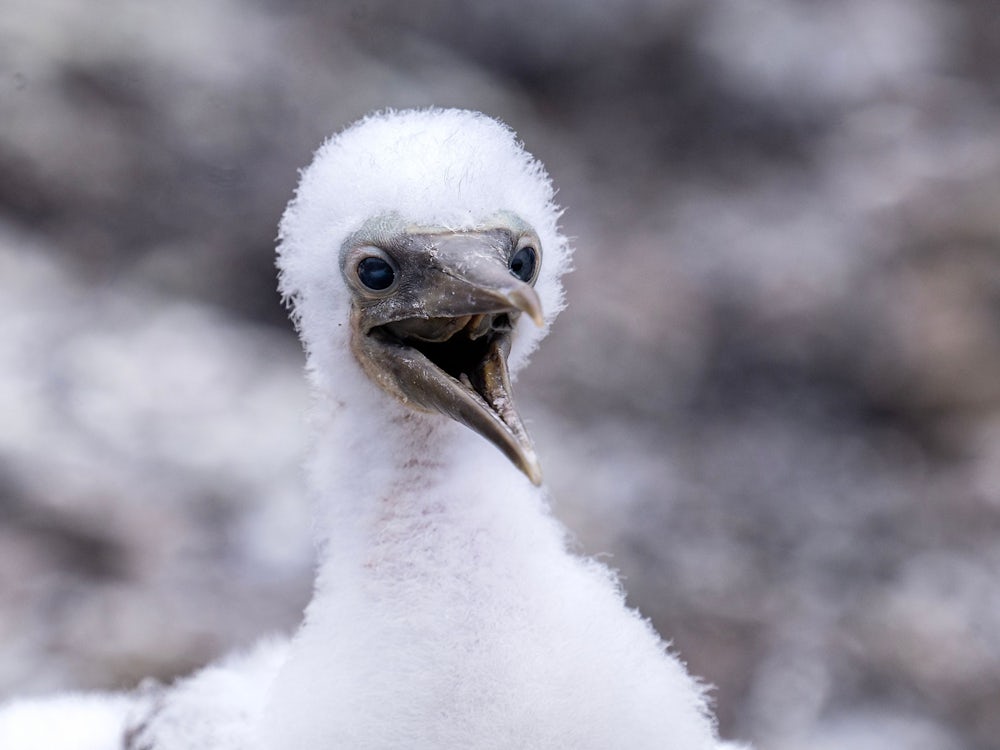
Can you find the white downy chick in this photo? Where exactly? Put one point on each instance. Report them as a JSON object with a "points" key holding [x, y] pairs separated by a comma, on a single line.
{"points": [[422, 259]]}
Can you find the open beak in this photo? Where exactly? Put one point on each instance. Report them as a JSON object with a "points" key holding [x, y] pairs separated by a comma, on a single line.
{"points": [[443, 345]]}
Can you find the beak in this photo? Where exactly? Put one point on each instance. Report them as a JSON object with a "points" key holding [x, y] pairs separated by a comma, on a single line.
{"points": [[442, 342]]}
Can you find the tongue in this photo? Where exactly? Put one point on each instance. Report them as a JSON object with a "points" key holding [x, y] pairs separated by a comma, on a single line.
{"points": [[428, 329]]}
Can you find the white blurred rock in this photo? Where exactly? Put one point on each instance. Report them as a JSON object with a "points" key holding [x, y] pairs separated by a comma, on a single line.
{"points": [[149, 450]]}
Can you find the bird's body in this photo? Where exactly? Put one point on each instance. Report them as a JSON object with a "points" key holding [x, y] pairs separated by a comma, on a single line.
{"points": [[447, 610], [460, 621]]}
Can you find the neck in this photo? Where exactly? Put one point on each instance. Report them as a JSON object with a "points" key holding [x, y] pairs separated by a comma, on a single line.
{"points": [[415, 504], [447, 613], [424, 531]]}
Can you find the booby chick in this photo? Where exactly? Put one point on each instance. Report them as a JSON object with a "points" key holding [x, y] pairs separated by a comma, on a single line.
{"points": [[422, 259]]}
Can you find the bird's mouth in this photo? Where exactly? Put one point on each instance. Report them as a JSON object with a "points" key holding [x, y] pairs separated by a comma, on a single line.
{"points": [[456, 366], [432, 321]]}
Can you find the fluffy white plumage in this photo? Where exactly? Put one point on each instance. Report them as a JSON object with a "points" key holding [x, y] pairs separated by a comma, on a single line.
{"points": [[447, 611], [74, 721], [450, 168]]}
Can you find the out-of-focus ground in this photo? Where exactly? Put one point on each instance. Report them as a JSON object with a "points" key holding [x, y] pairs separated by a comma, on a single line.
{"points": [[774, 399]]}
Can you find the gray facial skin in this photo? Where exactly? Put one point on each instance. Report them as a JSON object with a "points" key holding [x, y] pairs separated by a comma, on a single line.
{"points": [[438, 335]]}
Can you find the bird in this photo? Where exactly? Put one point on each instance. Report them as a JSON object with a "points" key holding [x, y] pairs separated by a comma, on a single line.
{"points": [[421, 258]]}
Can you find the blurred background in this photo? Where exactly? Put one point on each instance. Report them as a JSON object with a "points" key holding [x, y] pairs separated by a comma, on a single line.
{"points": [[773, 403]]}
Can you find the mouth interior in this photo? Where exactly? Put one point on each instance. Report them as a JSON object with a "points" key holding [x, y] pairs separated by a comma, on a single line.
{"points": [[461, 347], [457, 367]]}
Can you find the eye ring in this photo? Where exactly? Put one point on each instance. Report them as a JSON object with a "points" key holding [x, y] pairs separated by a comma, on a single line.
{"points": [[376, 273], [524, 263], [371, 270]]}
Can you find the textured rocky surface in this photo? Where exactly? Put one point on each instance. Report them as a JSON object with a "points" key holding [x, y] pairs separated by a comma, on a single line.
{"points": [[780, 366]]}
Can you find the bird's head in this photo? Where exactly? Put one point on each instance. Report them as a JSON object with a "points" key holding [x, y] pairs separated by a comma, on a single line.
{"points": [[423, 247]]}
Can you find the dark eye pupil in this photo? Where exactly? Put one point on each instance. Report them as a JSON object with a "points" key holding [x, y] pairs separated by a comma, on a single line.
{"points": [[522, 264], [376, 274]]}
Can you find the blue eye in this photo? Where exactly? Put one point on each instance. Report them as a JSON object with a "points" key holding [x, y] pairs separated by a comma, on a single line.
{"points": [[376, 273], [522, 265]]}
